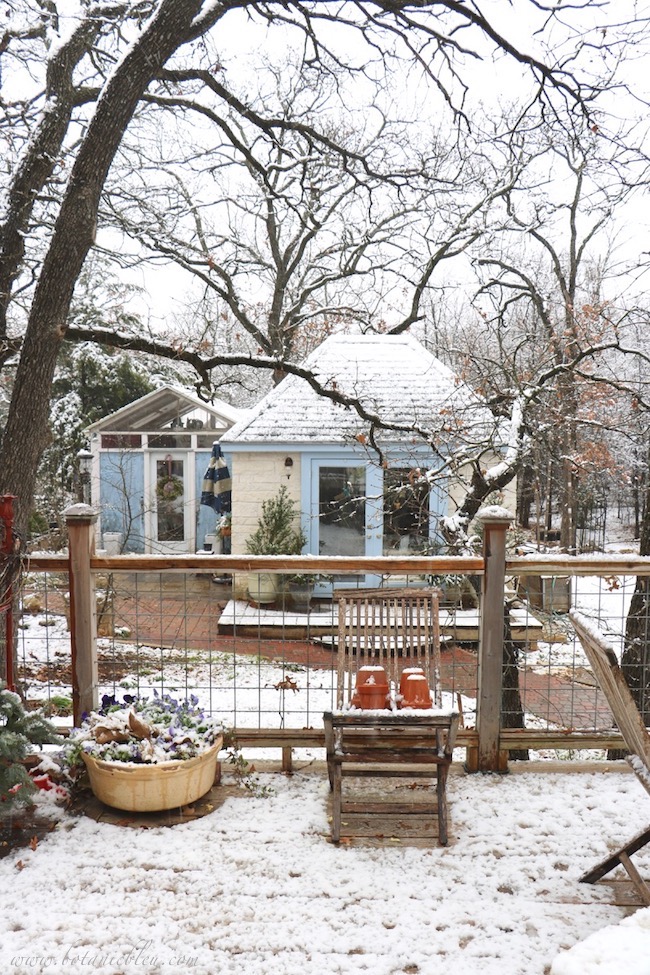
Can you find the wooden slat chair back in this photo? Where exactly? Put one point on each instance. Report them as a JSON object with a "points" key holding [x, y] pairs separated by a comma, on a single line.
{"points": [[392, 628], [605, 666]]}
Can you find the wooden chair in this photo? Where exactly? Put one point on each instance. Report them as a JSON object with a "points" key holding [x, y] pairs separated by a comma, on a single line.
{"points": [[394, 629], [630, 723]]}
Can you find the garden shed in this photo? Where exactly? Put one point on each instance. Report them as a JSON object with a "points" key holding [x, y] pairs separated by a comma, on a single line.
{"points": [[148, 462], [361, 490]]}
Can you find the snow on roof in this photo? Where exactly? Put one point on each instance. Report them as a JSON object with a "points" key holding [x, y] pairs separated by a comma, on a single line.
{"points": [[393, 376]]}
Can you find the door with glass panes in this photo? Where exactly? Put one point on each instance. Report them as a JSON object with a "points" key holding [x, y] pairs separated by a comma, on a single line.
{"points": [[367, 510], [170, 515]]}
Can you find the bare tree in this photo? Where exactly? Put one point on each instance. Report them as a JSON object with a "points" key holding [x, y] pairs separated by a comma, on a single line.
{"points": [[554, 336], [109, 63], [287, 238]]}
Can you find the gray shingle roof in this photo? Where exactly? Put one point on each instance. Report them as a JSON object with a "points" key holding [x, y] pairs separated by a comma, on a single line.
{"points": [[393, 376]]}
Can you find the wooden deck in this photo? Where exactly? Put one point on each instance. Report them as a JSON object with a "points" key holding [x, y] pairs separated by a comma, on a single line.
{"points": [[462, 625]]}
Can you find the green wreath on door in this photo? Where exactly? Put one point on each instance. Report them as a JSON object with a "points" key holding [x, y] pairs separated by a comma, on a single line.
{"points": [[169, 488]]}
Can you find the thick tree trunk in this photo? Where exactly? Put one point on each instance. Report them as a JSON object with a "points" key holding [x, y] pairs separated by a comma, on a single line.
{"points": [[635, 660], [26, 431], [526, 495], [512, 712], [40, 158]]}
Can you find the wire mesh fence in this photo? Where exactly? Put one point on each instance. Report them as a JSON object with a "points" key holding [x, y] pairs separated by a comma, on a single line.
{"points": [[557, 688], [271, 666]]}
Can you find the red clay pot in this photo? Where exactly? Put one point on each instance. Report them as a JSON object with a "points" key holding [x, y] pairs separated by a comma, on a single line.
{"points": [[371, 695], [416, 692], [377, 676], [406, 673]]}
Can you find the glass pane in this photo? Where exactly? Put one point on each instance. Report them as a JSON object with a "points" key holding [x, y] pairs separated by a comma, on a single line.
{"points": [[406, 512], [342, 510], [170, 499], [169, 441], [113, 441]]}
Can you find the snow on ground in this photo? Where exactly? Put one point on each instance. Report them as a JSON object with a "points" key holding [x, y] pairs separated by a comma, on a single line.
{"points": [[256, 887], [624, 947]]}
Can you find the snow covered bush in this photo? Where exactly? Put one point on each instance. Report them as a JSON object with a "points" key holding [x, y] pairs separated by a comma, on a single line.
{"points": [[19, 731]]}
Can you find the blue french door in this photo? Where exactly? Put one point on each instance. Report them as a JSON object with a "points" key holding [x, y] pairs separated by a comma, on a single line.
{"points": [[360, 509]]}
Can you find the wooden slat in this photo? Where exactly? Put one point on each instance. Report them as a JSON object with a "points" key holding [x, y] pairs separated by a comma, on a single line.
{"points": [[383, 808], [628, 717], [366, 771], [389, 756], [576, 565], [287, 564], [514, 739], [615, 688]]}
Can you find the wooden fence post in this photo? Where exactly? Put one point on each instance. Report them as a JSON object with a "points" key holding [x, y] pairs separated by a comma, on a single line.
{"points": [[80, 521], [496, 522]]}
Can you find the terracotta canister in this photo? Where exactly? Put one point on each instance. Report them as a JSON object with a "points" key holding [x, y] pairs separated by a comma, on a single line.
{"points": [[372, 695], [371, 688], [406, 673], [416, 692]]}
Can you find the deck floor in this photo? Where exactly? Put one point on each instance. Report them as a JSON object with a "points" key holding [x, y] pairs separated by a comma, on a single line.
{"points": [[461, 625]]}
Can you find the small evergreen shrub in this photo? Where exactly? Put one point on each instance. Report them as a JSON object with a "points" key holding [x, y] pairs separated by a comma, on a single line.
{"points": [[19, 731], [275, 533]]}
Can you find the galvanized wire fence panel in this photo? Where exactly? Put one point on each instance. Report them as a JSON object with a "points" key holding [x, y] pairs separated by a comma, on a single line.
{"points": [[44, 671], [169, 637], [557, 690], [255, 666], [184, 634], [274, 668]]}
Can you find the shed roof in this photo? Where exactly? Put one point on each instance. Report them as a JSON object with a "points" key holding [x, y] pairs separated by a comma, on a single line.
{"points": [[393, 376], [158, 409]]}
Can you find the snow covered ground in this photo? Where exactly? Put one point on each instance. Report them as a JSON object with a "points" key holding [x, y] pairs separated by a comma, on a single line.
{"points": [[256, 887]]}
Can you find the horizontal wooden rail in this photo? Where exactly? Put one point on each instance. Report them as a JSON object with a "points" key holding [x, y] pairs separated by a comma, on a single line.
{"points": [[578, 565], [290, 564], [566, 565], [511, 739]]}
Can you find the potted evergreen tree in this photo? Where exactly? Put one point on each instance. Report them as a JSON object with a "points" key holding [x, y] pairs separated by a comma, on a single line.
{"points": [[275, 534]]}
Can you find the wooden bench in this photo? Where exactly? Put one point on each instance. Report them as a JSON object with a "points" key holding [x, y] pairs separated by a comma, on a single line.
{"points": [[605, 666], [385, 746]]}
